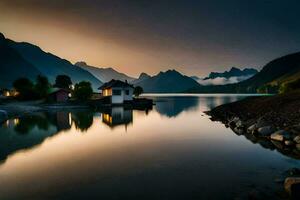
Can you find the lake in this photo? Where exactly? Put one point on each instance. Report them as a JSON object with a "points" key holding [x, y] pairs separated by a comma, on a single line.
{"points": [[172, 151]]}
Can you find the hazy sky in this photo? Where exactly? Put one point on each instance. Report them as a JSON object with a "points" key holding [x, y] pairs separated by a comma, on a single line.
{"points": [[194, 37]]}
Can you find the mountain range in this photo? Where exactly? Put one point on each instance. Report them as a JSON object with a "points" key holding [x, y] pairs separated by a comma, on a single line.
{"points": [[21, 59], [269, 79], [170, 81], [234, 75], [105, 74]]}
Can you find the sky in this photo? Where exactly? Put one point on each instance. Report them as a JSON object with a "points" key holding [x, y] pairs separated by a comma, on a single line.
{"points": [[134, 36]]}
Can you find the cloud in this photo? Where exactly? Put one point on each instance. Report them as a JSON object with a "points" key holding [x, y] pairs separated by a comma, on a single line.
{"points": [[223, 81]]}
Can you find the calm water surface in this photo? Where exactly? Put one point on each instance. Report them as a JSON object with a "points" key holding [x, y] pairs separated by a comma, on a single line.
{"points": [[173, 151]]}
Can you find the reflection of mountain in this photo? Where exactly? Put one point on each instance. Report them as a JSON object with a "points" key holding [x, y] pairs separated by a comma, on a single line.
{"points": [[117, 116], [29, 131], [171, 107]]}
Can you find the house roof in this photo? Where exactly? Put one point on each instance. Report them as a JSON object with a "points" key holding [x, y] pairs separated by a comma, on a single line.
{"points": [[115, 83]]}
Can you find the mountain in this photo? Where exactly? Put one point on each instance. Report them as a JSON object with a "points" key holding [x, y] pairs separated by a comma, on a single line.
{"points": [[196, 78], [170, 81], [234, 75], [13, 65], [104, 74], [143, 76], [273, 74], [233, 72], [48, 64]]}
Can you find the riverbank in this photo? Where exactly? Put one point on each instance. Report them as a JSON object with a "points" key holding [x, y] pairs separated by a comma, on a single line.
{"points": [[12, 108], [270, 121]]}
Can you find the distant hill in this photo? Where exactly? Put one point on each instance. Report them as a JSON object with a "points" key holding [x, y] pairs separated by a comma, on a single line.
{"points": [[51, 65], [143, 76], [233, 72], [273, 74], [170, 81], [234, 75], [104, 74], [13, 65]]}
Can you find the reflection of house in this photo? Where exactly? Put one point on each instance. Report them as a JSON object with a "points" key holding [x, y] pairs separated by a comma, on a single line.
{"points": [[117, 116], [58, 95], [118, 91]]}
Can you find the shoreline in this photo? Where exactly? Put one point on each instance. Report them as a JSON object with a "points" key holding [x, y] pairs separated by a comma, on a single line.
{"points": [[14, 109], [272, 122]]}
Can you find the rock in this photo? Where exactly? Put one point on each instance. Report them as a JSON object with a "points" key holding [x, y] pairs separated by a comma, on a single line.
{"points": [[288, 143], [261, 123], [280, 135], [239, 124], [297, 139], [296, 127], [251, 129], [298, 146], [277, 144], [238, 130], [233, 122], [293, 172], [291, 184], [265, 131]]}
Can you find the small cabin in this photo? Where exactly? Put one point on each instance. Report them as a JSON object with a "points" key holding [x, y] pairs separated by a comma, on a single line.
{"points": [[58, 95], [119, 92]]}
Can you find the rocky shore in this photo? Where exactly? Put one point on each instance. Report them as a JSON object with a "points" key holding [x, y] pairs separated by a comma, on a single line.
{"points": [[271, 121]]}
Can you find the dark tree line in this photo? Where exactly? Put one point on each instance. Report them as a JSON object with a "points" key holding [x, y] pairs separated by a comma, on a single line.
{"points": [[28, 90]]}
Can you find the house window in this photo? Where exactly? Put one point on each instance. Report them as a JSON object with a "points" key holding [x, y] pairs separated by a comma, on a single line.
{"points": [[116, 92], [127, 92]]}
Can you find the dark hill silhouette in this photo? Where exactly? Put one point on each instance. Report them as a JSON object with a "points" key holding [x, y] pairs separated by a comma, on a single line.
{"points": [[170, 81], [232, 72], [13, 65], [274, 73], [51, 65]]}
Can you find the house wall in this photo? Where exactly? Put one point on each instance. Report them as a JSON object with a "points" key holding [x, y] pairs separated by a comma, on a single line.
{"points": [[61, 96], [128, 97], [119, 99]]}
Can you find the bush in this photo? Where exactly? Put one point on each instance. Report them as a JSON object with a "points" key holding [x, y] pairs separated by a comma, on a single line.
{"points": [[83, 91], [290, 86]]}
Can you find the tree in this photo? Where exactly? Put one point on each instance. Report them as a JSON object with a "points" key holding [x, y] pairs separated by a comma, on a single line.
{"points": [[25, 88], [83, 90], [138, 90], [63, 81], [42, 86]]}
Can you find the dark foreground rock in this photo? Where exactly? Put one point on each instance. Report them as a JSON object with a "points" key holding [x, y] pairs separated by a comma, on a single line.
{"points": [[272, 118]]}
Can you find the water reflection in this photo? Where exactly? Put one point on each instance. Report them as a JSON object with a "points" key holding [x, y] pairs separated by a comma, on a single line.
{"points": [[31, 130], [182, 155], [117, 116], [174, 106], [171, 107], [83, 120]]}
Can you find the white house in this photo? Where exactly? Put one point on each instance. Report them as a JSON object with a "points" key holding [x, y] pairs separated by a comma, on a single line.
{"points": [[118, 91]]}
